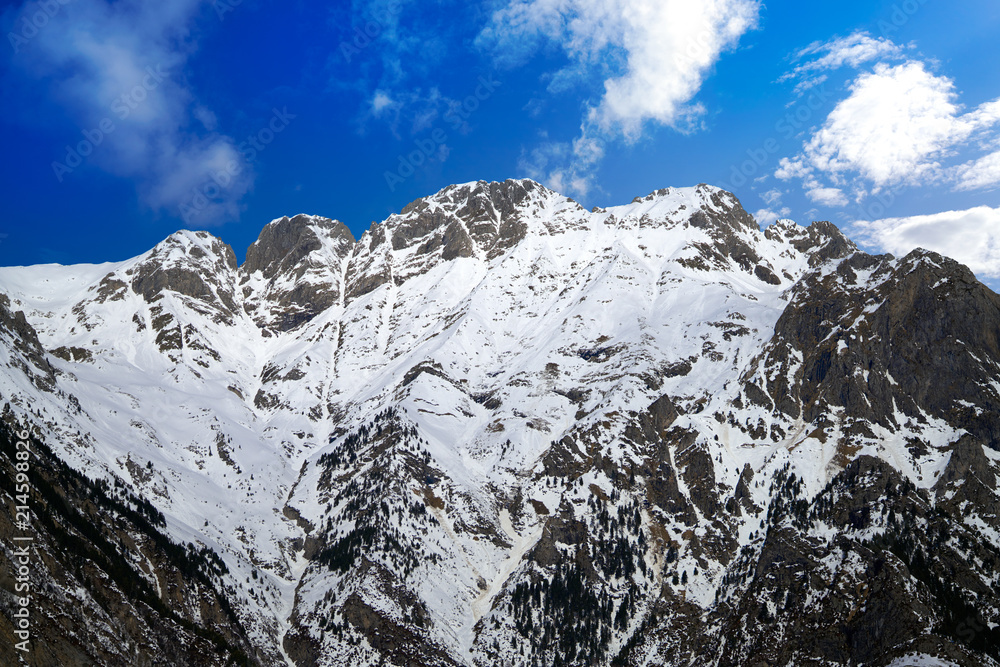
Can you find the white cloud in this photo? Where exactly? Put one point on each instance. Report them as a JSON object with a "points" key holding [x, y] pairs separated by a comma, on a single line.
{"points": [[972, 237], [827, 196], [564, 166], [666, 48], [388, 53], [412, 111], [772, 196], [766, 216], [901, 125], [650, 55], [853, 51], [789, 169], [979, 174], [122, 62], [897, 127], [380, 102], [206, 117], [187, 170]]}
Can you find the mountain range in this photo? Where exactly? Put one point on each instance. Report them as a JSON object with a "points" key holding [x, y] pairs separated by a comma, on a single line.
{"points": [[499, 428]]}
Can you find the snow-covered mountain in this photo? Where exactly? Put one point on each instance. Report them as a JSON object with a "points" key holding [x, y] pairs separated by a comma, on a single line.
{"points": [[502, 429]]}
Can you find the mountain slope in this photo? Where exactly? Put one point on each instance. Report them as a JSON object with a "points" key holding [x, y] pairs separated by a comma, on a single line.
{"points": [[499, 427]]}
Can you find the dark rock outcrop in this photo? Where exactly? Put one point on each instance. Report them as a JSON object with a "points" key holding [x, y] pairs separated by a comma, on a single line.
{"points": [[300, 279], [916, 334]]}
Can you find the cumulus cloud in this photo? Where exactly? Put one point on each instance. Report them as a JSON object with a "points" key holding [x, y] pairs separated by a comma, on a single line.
{"points": [[895, 121], [119, 65], [898, 126], [651, 57], [827, 196], [979, 174], [773, 210], [972, 237], [766, 216]]}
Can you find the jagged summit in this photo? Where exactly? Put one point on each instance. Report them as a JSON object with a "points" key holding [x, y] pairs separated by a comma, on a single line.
{"points": [[187, 250], [680, 200], [511, 190], [286, 242], [478, 218], [294, 270], [301, 266], [475, 219], [822, 239], [187, 263]]}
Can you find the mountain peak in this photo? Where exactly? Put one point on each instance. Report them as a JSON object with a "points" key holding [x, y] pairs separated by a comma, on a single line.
{"points": [[704, 206], [183, 246], [293, 271], [501, 193], [284, 243], [822, 240], [185, 262], [468, 219], [702, 189]]}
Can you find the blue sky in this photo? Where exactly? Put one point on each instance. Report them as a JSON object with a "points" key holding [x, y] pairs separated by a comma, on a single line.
{"points": [[126, 121]]}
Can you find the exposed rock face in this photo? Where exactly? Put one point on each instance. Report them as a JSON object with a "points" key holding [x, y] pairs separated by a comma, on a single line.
{"points": [[501, 429], [191, 264], [287, 243], [299, 261], [462, 219], [970, 480], [886, 340], [22, 339], [853, 599], [821, 240]]}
